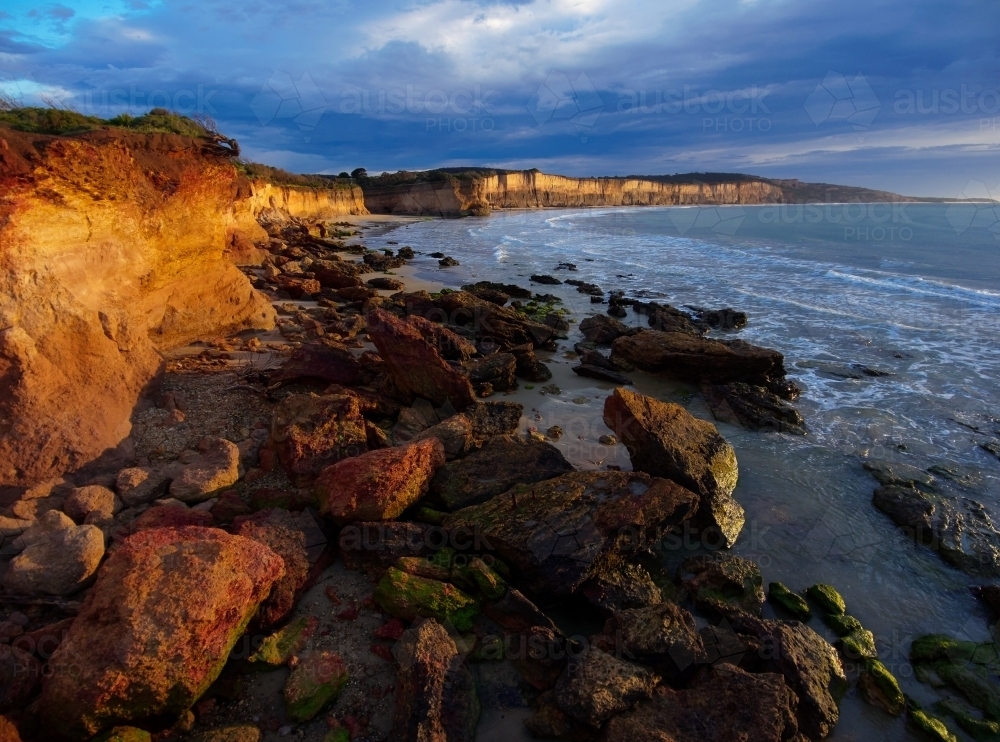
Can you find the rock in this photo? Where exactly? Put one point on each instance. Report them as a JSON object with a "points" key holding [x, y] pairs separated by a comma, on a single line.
{"points": [[722, 582], [124, 734], [899, 473], [216, 468], [386, 284], [601, 374], [416, 366], [139, 485], [500, 464], [277, 649], [665, 440], [415, 419], [505, 327], [616, 584], [791, 602], [841, 624], [379, 485], [289, 543], [310, 432], [59, 558], [726, 704], [528, 366], [157, 627], [548, 280], [455, 434], [859, 644], [86, 500], [330, 362], [436, 697], [880, 688], [447, 262], [33, 509], [490, 419], [810, 667], [516, 613], [407, 596], [236, 733], [450, 345], [509, 289], [663, 636], [374, 547], [604, 330], [552, 532], [596, 686], [315, 681], [20, 675], [496, 370], [167, 516], [753, 407], [990, 595], [697, 359], [827, 598], [929, 727], [726, 318], [958, 528]]}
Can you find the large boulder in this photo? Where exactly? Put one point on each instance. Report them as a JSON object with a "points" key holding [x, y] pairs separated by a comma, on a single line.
{"points": [[156, 629], [329, 362], [721, 583], [310, 432], [694, 358], [553, 532], [500, 464], [415, 364], [436, 697], [282, 537], [451, 346], [664, 636], [726, 704], [379, 485], [505, 327], [665, 440], [59, 559]]}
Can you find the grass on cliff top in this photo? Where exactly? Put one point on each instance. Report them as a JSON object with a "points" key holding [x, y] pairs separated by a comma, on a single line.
{"points": [[58, 121], [410, 177], [277, 176]]}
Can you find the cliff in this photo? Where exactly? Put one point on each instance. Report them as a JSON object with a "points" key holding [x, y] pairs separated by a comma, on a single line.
{"points": [[442, 193], [112, 248]]}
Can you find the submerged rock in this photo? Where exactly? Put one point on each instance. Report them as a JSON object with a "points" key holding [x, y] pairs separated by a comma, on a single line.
{"points": [[753, 407], [724, 705], [157, 627], [379, 485], [553, 532], [791, 602], [604, 330], [503, 462], [827, 598], [665, 440], [880, 688], [436, 696]]}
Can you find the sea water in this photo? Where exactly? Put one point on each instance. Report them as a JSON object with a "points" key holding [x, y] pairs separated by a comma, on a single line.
{"points": [[911, 291]]}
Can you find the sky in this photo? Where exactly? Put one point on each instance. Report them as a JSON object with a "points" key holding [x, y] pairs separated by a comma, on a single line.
{"points": [[898, 95]]}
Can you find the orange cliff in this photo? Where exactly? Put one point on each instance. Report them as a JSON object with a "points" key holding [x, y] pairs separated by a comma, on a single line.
{"points": [[113, 247], [531, 189]]}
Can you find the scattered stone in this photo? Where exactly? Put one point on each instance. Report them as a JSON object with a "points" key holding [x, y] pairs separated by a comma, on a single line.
{"points": [[142, 484], [386, 284], [435, 694], [608, 439], [665, 440], [315, 681], [791, 602], [379, 485], [216, 468], [554, 432], [548, 280], [59, 558], [197, 586], [753, 407], [552, 532], [596, 686], [447, 262], [500, 464], [236, 733], [528, 366], [617, 584], [841, 624], [455, 433], [929, 727], [35, 508]]}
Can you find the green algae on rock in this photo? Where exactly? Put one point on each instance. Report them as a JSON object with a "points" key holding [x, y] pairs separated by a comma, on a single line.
{"points": [[880, 688], [930, 727], [316, 680], [280, 646], [827, 597], [123, 734], [723, 582], [791, 602], [859, 644], [408, 596], [841, 623]]}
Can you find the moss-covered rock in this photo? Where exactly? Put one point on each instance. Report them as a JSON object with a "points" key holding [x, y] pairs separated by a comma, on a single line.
{"points": [[721, 582], [929, 727], [880, 688], [316, 680], [488, 582], [827, 598], [981, 730], [975, 684], [941, 648], [280, 646], [791, 602], [407, 596], [841, 624], [340, 734], [859, 644]]}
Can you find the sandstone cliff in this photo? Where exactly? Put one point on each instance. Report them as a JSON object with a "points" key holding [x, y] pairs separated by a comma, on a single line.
{"points": [[111, 249]]}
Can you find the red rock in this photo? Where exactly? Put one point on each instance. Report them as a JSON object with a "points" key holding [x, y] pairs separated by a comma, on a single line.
{"points": [[450, 345], [379, 485], [288, 543], [168, 516], [310, 432], [156, 629], [332, 595], [416, 366], [391, 630], [350, 613], [384, 651]]}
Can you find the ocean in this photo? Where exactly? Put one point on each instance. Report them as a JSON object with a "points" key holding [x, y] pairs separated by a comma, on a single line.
{"points": [[911, 291]]}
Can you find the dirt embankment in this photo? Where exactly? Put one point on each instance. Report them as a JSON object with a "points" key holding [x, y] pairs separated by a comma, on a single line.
{"points": [[113, 247]]}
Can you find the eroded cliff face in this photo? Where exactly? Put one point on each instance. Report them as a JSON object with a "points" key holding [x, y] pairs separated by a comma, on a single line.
{"points": [[111, 249], [306, 203], [532, 189]]}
